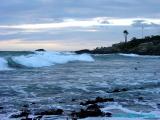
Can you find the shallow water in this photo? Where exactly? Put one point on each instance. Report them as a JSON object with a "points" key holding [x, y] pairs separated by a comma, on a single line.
{"points": [[55, 85]]}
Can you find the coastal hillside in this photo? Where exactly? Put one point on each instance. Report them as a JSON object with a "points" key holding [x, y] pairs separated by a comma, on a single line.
{"points": [[149, 45]]}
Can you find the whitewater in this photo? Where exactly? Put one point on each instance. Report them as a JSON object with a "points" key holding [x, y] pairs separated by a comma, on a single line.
{"points": [[41, 59], [47, 80]]}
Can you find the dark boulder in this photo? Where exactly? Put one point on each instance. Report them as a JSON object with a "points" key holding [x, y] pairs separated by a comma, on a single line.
{"points": [[140, 98], [21, 114], [35, 118], [40, 50], [108, 114], [50, 112], [90, 111], [73, 100], [119, 90], [25, 106], [97, 100]]}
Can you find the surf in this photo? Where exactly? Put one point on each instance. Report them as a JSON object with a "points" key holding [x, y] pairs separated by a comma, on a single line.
{"points": [[3, 64], [42, 59]]}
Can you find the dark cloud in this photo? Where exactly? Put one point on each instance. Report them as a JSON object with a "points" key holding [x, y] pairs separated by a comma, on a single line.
{"points": [[30, 11], [143, 23]]}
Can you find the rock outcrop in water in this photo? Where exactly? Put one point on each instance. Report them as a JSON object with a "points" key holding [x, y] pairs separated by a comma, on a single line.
{"points": [[25, 112], [97, 100], [91, 111], [50, 112], [146, 46], [40, 50]]}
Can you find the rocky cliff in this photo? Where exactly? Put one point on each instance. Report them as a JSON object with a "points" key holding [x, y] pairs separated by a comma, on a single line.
{"points": [[147, 46]]}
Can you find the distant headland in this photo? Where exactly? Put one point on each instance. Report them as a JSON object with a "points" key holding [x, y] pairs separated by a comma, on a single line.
{"points": [[149, 45]]}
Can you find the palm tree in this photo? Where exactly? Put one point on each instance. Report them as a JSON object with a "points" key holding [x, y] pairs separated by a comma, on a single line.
{"points": [[125, 35]]}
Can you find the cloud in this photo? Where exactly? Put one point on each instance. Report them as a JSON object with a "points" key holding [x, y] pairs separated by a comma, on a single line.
{"points": [[65, 24], [145, 23], [33, 11], [75, 23], [86, 23]]}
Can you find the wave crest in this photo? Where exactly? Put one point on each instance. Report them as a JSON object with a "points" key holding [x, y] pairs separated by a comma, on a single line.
{"points": [[3, 64], [43, 59]]}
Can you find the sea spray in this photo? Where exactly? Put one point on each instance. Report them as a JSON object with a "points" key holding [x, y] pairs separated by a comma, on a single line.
{"points": [[3, 64], [43, 59]]}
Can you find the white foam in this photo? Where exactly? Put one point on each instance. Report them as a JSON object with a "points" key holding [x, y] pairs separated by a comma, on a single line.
{"points": [[136, 55], [42, 59], [129, 55], [127, 115], [112, 118], [130, 114], [3, 64]]}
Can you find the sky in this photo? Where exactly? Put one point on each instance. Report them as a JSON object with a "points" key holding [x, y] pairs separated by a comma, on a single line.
{"points": [[62, 25]]}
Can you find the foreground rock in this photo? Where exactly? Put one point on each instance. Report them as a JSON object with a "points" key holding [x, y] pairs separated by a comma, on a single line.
{"points": [[50, 112], [21, 114], [97, 100], [25, 112], [91, 111]]}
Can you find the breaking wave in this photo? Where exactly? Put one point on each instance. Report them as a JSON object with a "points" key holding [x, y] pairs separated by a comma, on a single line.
{"points": [[3, 64], [42, 59]]}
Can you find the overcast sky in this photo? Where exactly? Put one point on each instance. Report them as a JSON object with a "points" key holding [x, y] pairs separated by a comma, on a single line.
{"points": [[74, 24]]}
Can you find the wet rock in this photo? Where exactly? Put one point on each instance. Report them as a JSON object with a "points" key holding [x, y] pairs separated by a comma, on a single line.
{"points": [[21, 114], [35, 118], [158, 105], [40, 50], [91, 107], [26, 106], [33, 103], [97, 100], [140, 98], [119, 90], [38, 117], [124, 89], [91, 111], [28, 119], [73, 100], [50, 112], [108, 114]]}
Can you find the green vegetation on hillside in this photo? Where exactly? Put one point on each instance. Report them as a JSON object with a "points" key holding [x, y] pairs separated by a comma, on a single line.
{"points": [[149, 45]]}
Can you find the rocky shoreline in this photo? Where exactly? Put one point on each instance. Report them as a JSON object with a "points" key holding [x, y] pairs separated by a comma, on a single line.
{"points": [[149, 45], [89, 108]]}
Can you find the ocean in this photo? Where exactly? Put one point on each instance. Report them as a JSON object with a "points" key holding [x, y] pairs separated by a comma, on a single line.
{"points": [[46, 80]]}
